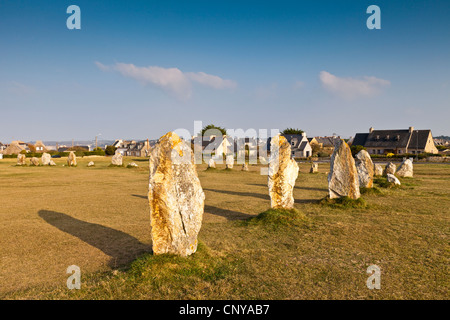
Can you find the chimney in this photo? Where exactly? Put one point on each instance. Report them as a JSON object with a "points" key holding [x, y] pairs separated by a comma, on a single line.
{"points": [[411, 129], [370, 129]]}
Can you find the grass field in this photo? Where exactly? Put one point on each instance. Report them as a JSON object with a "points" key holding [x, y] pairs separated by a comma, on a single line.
{"points": [[98, 219]]}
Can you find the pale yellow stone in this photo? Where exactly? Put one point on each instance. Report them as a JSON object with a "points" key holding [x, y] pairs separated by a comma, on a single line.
{"points": [[283, 172], [175, 196]]}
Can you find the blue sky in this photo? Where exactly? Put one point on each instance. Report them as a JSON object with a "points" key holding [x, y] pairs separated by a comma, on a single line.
{"points": [[138, 69]]}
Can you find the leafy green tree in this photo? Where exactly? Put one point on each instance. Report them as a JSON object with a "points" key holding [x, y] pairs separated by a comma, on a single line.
{"points": [[211, 126], [110, 150], [356, 149], [292, 131]]}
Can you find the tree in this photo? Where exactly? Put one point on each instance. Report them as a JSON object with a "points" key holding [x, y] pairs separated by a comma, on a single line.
{"points": [[292, 131], [211, 126], [110, 150], [356, 149]]}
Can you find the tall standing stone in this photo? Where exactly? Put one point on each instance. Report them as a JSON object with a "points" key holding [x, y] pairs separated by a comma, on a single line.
{"points": [[211, 163], [314, 167], [365, 168], [117, 159], [175, 196], [72, 159], [21, 159], [229, 161], [343, 178], [283, 172], [390, 169], [405, 169], [45, 159]]}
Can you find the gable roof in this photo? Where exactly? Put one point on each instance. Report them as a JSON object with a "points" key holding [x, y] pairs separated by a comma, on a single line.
{"points": [[393, 139]]}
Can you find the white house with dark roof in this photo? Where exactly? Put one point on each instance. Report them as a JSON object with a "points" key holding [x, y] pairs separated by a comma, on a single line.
{"points": [[399, 141]]}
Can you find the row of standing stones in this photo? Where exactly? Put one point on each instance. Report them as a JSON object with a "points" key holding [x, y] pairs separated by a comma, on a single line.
{"points": [[46, 160], [176, 197]]}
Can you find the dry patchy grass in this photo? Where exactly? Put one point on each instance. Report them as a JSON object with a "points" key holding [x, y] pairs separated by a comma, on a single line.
{"points": [[98, 218]]}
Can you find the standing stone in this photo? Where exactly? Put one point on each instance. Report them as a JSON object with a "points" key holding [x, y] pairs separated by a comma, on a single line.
{"points": [[343, 178], [244, 167], [314, 167], [175, 196], [283, 172], [229, 161], [378, 170], [262, 160], [390, 169], [405, 169], [21, 159], [91, 164], [34, 161], [117, 159], [72, 159], [365, 168], [45, 159], [211, 163], [393, 179]]}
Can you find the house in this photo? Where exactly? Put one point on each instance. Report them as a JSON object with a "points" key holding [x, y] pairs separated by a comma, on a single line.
{"points": [[15, 147], [300, 146], [139, 149], [40, 147], [327, 142], [399, 141], [2, 147], [122, 146], [133, 148]]}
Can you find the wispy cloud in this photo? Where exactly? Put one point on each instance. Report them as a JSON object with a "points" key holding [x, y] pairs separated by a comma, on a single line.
{"points": [[171, 80], [350, 88]]}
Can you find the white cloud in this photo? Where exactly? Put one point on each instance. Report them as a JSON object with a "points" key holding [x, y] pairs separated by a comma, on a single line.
{"points": [[350, 88], [212, 81], [172, 80]]}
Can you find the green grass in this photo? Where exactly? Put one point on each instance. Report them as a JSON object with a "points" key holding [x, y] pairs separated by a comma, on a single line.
{"points": [[343, 203], [278, 217]]}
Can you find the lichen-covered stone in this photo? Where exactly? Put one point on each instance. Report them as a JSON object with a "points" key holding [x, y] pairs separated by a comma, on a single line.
{"points": [[45, 159], [175, 196], [378, 170], [91, 164], [405, 169], [244, 167], [393, 179], [314, 167], [283, 172], [365, 168], [390, 169], [21, 159], [117, 159], [343, 178], [72, 159], [52, 163]]}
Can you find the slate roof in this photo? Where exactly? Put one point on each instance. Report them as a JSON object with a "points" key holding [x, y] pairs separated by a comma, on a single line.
{"points": [[392, 139]]}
